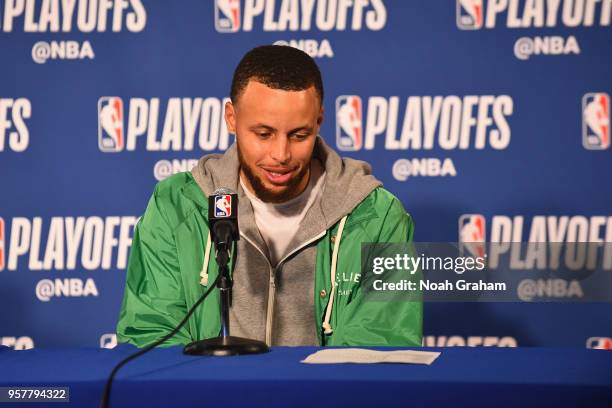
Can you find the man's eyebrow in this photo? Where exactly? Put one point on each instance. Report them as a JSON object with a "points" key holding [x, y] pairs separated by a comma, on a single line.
{"points": [[270, 128], [261, 125], [305, 127]]}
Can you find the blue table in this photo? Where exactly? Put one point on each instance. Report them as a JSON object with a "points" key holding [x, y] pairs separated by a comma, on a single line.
{"points": [[499, 377]]}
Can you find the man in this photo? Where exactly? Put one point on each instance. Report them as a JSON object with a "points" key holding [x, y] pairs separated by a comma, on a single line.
{"points": [[303, 214]]}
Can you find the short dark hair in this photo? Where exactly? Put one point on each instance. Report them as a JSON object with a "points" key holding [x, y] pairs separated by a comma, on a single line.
{"points": [[278, 67]]}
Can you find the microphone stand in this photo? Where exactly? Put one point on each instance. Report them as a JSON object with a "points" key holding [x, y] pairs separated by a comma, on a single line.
{"points": [[225, 345]]}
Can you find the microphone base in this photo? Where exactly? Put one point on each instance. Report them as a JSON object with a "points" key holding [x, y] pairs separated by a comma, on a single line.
{"points": [[225, 346]]}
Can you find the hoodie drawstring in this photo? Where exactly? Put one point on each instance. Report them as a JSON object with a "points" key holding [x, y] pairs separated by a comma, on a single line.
{"points": [[204, 273], [330, 304], [326, 326]]}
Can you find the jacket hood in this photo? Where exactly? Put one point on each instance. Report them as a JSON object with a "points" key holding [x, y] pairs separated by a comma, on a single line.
{"points": [[347, 181]]}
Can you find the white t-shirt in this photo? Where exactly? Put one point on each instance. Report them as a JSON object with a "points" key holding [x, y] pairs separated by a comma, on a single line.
{"points": [[278, 223]]}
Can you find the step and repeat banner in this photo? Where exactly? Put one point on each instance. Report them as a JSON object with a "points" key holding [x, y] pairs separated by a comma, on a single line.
{"points": [[488, 119]]}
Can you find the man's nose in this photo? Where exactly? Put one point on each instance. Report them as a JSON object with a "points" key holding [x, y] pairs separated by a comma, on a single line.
{"points": [[280, 149]]}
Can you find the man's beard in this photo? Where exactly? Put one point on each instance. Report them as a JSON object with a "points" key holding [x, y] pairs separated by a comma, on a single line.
{"points": [[269, 196]]}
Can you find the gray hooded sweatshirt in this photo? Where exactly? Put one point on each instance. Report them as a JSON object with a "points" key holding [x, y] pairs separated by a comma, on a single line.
{"points": [[276, 304]]}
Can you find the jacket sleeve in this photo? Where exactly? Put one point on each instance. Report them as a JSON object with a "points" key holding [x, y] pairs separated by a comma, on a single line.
{"points": [[153, 301], [395, 320]]}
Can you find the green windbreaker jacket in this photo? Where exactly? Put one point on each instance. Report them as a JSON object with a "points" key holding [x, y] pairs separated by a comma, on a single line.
{"points": [[167, 256]]}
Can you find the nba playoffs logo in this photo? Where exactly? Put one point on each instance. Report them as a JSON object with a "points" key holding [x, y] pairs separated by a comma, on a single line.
{"points": [[349, 134], [596, 121], [227, 16], [2, 250], [110, 124], [223, 206], [469, 14], [600, 343], [472, 229]]}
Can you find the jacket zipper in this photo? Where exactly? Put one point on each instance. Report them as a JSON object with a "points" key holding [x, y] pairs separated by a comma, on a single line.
{"points": [[272, 284], [270, 312]]}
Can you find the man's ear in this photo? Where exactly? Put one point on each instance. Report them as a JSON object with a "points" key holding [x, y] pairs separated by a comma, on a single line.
{"points": [[321, 117], [230, 117]]}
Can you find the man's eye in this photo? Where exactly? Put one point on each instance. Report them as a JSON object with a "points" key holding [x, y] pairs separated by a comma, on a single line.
{"points": [[263, 134], [301, 136]]}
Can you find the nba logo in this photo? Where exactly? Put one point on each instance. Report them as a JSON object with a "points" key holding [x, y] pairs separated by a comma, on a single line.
{"points": [[223, 206], [469, 14], [2, 252], [472, 229], [227, 16], [596, 121], [599, 343], [349, 135], [110, 124]]}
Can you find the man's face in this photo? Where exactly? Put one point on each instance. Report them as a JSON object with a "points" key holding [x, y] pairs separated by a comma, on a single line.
{"points": [[275, 132]]}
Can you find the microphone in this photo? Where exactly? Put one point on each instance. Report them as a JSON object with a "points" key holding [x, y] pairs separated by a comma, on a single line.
{"points": [[223, 222], [223, 226]]}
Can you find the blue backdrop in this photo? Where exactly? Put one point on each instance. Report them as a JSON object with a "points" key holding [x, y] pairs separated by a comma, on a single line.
{"points": [[487, 117]]}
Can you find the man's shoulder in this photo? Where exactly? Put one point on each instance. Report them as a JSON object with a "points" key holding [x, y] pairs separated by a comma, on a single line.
{"points": [[383, 216], [380, 202], [177, 196], [173, 185]]}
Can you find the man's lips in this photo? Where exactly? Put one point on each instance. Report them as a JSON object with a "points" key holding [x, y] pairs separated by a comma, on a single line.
{"points": [[277, 175]]}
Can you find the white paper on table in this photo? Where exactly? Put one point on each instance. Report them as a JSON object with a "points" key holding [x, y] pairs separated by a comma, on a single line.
{"points": [[359, 355]]}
